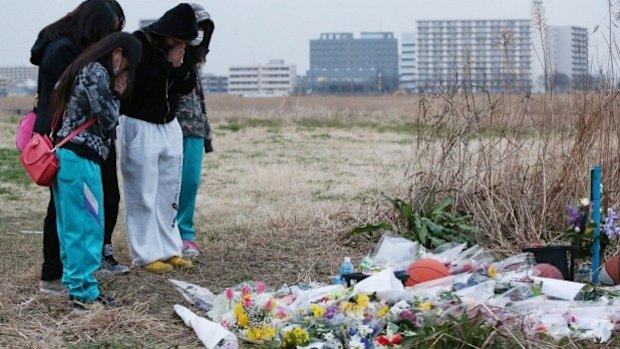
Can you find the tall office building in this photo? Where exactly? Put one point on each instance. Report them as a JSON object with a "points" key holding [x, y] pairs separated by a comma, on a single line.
{"points": [[340, 63], [272, 79], [408, 68], [473, 55]]}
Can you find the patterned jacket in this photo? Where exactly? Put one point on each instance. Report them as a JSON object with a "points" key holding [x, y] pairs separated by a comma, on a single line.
{"points": [[91, 97], [192, 114]]}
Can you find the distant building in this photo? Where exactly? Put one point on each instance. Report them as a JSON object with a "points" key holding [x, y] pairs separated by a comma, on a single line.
{"points": [[214, 84], [408, 66], [342, 64], [473, 55], [272, 79], [569, 57], [4, 86], [146, 22], [18, 80]]}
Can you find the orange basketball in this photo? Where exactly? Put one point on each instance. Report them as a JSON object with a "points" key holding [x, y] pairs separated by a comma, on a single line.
{"points": [[546, 270], [424, 270], [610, 273]]}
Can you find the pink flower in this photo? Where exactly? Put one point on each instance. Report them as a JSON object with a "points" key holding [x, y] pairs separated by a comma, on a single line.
{"points": [[247, 302], [245, 290], [260, 287], [281, 314], [269, 304], [229, 294]]}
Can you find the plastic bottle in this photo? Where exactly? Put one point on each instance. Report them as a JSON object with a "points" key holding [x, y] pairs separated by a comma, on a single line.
{"points": [[346, 268]]}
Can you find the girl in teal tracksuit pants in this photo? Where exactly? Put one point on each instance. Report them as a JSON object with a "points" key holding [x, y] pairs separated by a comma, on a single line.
{"points": [[89, 88]]}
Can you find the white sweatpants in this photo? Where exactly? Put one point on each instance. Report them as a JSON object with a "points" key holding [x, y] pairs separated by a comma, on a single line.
{"points": [[151, 160]]}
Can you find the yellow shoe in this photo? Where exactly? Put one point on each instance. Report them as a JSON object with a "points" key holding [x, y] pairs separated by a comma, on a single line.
{"points": [[158, 267], [180, 262]]}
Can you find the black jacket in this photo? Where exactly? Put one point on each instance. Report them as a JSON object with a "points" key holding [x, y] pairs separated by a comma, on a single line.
{"points": [[157, 83], [52, 57]]}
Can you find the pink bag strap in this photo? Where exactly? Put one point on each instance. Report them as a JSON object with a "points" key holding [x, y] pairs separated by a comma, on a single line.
{"points": [[75, 132]]}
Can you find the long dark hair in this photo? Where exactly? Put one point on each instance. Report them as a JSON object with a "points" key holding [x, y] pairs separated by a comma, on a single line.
{"points": [[99, 52], [88, 23]]}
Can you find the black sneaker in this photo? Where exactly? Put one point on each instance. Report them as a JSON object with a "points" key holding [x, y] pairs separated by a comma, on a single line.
{"points": [[102, 302], [109, 266]]}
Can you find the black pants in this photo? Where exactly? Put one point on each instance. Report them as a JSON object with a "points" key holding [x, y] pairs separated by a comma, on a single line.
{"points": [[52, 265]]}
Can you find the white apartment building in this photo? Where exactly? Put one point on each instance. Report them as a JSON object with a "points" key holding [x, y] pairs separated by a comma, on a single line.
{"points": [[407, 69], [494, 55], [272, 79], [569, 54], [473, 55], [19, 74]]}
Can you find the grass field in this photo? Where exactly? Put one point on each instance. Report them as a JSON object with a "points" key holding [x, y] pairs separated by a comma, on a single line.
{"points": [[290, 177], [276, 200]]}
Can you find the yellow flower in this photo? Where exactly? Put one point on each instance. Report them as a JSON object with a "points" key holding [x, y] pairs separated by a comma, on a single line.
{"points": [[492, 272], [383, 311], [242, 320], [317, 311], [261, 333], [426, 306], [346, 307], [268, 333], [296, 337], [254, 333], [362, 300], [238, 309]]}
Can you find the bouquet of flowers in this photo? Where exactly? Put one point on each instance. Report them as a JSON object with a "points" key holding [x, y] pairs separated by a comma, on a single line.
{"points": [[253, 314], [343, 321], [581, 228]]}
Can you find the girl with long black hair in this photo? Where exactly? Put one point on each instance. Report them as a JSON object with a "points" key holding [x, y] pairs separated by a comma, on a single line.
{"points": [[57, 45], [91, 87]]}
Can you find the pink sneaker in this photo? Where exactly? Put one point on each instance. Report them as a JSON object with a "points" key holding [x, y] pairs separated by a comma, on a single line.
{"points": [[190, 248]]}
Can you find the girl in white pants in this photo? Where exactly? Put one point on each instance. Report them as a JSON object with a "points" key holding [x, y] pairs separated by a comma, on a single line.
{"points": [[151, 189]]}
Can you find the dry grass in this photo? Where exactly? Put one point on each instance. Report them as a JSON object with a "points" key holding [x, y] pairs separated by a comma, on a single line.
{"points": [[291, 176]]}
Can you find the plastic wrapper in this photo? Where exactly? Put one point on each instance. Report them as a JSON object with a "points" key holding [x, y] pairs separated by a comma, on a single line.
{"points": [[561, 289], [211, 334], [430, 290], [513, 264], [394, 252], [479, 293], [471, 259], [515, 294], [445, 253], [200, 297], [384, 283]]}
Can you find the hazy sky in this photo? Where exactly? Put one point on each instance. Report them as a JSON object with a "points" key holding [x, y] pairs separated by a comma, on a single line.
{"points": [[255, 31]]}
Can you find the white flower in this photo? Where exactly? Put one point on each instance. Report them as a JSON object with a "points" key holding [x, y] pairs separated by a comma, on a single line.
{"points": [[329, 336], [355, 342], [584, 201], [365, 330], [577, 229]]}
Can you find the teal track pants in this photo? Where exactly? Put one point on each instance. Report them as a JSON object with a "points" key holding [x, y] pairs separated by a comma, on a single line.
{"points": [[78, 195], [190, 181]]}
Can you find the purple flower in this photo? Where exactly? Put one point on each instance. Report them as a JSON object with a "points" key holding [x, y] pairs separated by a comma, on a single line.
{"points": [[330, 312], [574, 217], [610, 226]]}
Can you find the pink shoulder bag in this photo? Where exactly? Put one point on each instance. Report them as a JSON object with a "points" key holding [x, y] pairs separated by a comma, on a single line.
{"points": [[39, 158]]}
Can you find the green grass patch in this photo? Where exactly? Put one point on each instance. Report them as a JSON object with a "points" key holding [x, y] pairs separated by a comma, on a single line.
{"points": [[11, 170], [233, 127]]}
